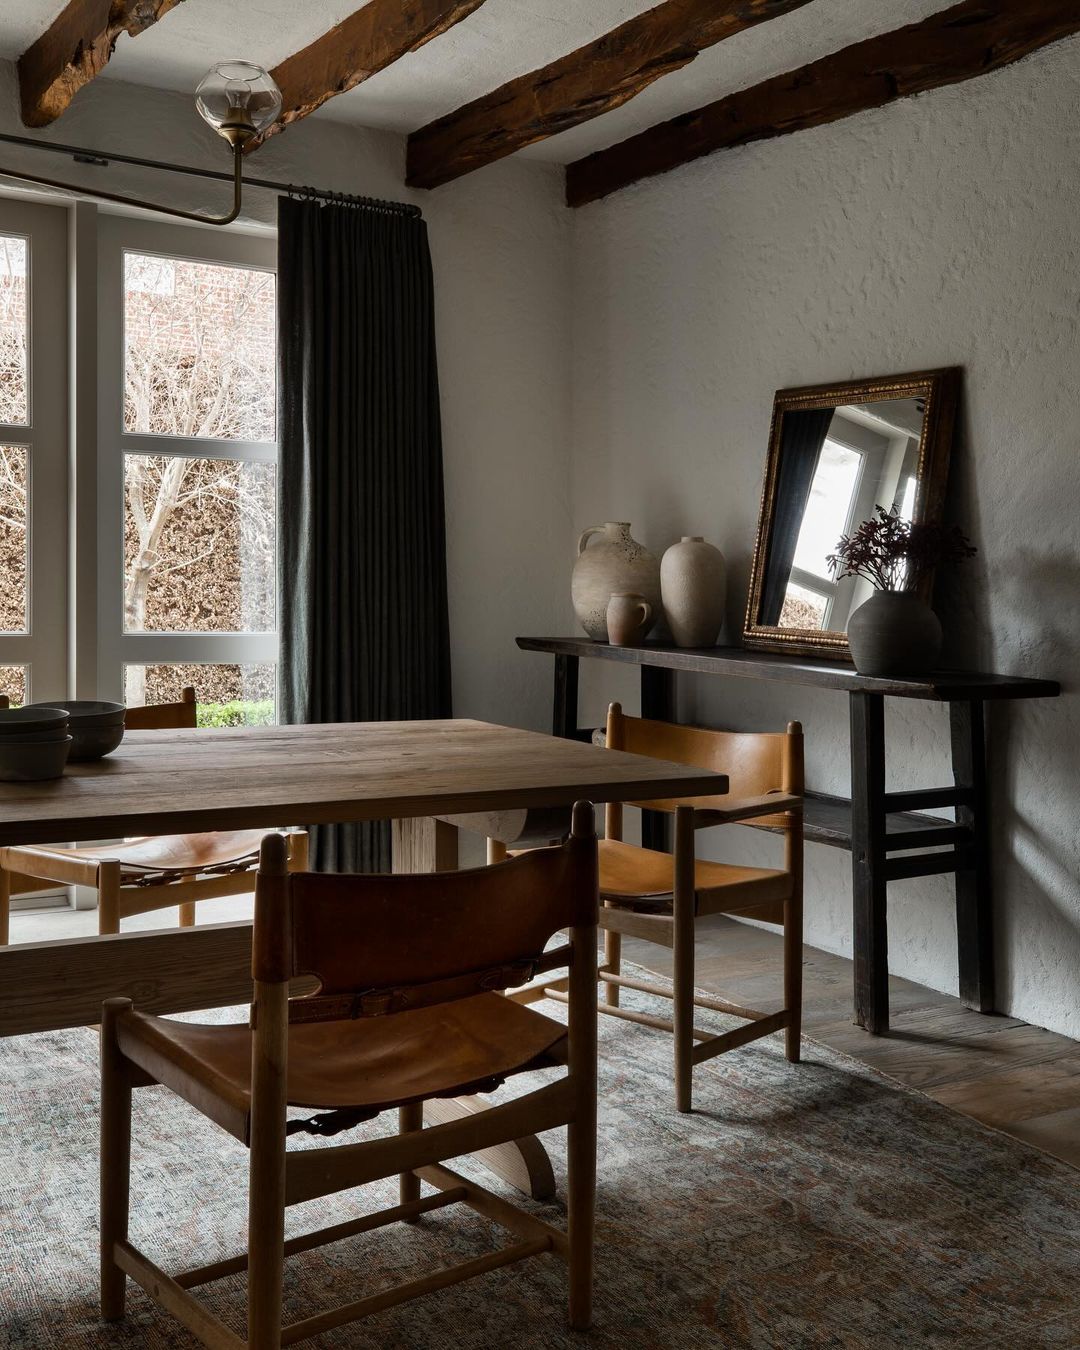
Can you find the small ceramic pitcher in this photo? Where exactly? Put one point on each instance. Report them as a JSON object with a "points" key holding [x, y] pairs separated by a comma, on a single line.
{"points": [[629, 615]]}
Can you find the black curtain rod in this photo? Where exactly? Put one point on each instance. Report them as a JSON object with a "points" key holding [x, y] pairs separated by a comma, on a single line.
{"points": [[81, 155]]}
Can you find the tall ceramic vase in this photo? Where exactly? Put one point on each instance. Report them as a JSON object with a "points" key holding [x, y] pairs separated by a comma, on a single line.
{"points": [[693, 585], [894, 633], [615, 562]]}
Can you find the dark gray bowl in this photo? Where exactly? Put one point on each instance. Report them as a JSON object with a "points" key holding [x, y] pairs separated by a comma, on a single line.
{"points": [[33, 763], [90, 712], [38, 717], [37, 737], [94, 742], [96, 727]]}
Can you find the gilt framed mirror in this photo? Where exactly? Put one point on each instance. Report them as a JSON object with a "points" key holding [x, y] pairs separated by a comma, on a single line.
{"points": [[836, 452]]}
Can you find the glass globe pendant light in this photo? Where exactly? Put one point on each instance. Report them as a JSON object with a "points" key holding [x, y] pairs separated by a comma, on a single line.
{"points": [[239, 100]]}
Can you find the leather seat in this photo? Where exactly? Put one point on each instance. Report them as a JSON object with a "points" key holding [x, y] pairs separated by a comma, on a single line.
{"points": [[370, 1064], [170, 854], [642, 878]]}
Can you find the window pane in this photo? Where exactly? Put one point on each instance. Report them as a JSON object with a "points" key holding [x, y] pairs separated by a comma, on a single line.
{"points": [[227, 696], [827, 510], [199, 545], [14, 463], [14, 403], [200, 341], [13, 683], [907, 501], [803, 608]]}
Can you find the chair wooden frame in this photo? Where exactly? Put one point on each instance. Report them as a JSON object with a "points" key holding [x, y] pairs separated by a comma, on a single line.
{"points": [[25, 869], [278, 1178], [775, 805]]}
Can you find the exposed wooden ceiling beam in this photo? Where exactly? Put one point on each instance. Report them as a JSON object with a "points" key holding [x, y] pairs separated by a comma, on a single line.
{"points": [[958, 44], [593, 80], [75, 49], [357, 48]]}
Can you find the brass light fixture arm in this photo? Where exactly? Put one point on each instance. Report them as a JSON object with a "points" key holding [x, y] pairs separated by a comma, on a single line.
{"points": [[227, 219]]}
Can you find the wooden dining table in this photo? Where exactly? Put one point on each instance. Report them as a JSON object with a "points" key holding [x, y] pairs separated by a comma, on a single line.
{"points": [[165, 782]]}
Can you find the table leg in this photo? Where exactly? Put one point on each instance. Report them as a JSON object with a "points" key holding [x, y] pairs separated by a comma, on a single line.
{"points": [[869, 885], [523, 1164], [974, 909], [427, 845], [658, 703], [565, 706], [424, 845]]}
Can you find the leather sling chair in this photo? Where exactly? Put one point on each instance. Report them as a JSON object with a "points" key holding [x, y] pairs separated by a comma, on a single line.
{"points": [[137, 876], [406, 1010], [661, 896]]}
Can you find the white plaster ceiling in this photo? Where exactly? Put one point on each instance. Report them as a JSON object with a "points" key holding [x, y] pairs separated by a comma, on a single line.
{"points": [[502, 39]]}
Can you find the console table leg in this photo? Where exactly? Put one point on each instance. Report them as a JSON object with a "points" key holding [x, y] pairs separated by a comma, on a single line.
{"points": [[565, 708], [974, 909], [869, 886], [658, 693], [657, 702]]}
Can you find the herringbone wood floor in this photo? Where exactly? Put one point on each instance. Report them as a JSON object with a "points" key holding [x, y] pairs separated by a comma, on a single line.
{"points": [[1015, 1077]]}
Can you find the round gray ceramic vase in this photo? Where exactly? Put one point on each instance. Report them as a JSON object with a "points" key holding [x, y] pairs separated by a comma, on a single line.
{"points": [[894, 633], [693, 589]]}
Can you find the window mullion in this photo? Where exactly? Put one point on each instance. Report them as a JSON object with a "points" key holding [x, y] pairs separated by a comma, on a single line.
{"points": [[194, 372]]}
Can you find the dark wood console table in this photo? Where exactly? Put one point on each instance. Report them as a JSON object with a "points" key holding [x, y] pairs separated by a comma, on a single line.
{"points": [[885, 831]]}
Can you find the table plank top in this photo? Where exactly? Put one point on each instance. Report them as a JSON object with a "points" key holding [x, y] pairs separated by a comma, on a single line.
{"points": [[164, 782]]}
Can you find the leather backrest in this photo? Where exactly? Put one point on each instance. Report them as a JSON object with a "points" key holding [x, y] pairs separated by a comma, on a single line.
{"points": [[164, 716], [755, 762], [362, 933]]}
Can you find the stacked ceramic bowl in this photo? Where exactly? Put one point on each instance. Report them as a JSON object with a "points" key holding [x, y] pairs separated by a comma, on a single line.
{"points": [[34, 743], [96, 728]]}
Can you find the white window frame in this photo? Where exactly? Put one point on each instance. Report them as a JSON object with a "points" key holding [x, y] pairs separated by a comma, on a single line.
{"points": [[43, 648], [118, 235]]}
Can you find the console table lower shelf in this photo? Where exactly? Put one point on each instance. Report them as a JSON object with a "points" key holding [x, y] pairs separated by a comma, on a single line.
{"points": [[887, 833]]}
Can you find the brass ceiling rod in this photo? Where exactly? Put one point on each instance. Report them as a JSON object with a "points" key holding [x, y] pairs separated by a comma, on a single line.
{"points": [[104, 158], [239, 100], [226, 219]]}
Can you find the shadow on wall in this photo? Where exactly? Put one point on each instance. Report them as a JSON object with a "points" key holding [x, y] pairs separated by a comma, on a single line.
{"points": [[1054, 579], [1032, 742], [985, 609], [961, 594], [1035, 870]]}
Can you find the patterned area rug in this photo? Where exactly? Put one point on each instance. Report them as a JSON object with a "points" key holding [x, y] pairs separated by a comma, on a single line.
{"points": [[799, 1206]]}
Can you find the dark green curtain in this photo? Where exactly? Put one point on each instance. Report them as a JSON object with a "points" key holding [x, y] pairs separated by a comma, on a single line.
{"points": [[361, 527], [802, 436]]}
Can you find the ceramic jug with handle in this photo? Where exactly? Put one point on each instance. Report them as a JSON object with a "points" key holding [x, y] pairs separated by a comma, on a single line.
{"points": [[615, 562]]}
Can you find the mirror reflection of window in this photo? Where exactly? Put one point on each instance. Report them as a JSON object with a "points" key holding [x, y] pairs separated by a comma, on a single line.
{"points": [[828, 508], [804, 608], [868, 457], [811, 589], [907, 501]]}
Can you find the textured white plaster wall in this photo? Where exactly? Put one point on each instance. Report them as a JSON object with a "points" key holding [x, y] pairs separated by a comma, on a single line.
{"points": [[934, 232], [500, 246]]}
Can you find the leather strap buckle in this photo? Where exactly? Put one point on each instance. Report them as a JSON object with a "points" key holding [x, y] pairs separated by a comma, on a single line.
{"points": [[377, 1003], [507, 977]]}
